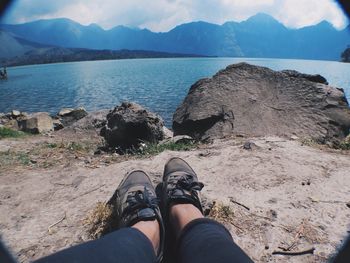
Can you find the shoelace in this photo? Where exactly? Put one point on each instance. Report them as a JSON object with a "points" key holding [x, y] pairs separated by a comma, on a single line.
{"points": [[187, 182], [141, 199]]}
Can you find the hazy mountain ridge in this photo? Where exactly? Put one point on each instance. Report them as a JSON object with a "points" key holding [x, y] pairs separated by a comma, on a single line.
{"points": [[259, 36], [12, 46]]}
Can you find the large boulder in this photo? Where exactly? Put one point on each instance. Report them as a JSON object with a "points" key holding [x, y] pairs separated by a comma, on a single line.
{"points": [[94, 121], [36, 123], [250, 100], [129, 124]]}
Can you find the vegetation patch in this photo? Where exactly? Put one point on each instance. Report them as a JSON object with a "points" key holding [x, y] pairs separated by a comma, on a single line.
{"points": [[221, 212], [71, 146], [9, 133], [10, 158], [345, 144], [151, 149], [100, 220]]}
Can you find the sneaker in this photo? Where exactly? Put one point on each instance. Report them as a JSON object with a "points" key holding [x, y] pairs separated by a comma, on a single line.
{"points": [[136, 200], [180, 185]]}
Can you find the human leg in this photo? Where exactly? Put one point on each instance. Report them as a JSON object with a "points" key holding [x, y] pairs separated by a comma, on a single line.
{"points": [[141, 232], [198, 239], [124, 245]]}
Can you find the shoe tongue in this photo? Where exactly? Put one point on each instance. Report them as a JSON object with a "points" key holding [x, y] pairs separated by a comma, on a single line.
{"points": [[181, 173], [146, 214]]}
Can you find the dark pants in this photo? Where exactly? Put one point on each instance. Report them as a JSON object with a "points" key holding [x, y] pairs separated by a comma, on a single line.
{"points": [[203, 240]]}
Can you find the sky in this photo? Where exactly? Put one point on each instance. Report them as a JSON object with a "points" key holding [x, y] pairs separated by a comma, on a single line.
{"points": [[163, 15]]}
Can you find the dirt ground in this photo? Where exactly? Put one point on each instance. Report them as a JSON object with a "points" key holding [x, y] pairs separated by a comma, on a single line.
{"points": [[280, 195]]}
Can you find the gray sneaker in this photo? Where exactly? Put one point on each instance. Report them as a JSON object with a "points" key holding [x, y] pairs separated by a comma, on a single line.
{"points": [[180, 185], [136, 200]]}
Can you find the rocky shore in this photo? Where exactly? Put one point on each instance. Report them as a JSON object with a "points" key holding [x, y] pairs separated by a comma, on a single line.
{"points": [[270, 147]]}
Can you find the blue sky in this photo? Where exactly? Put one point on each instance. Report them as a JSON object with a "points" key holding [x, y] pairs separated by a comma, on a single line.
{"points": [[163, 15]]}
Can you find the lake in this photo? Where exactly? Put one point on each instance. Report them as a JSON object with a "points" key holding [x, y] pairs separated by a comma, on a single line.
{"points": [[158, 84]]}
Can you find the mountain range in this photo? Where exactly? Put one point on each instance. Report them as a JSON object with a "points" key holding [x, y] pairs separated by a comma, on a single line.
{"points": [[259, 36]]}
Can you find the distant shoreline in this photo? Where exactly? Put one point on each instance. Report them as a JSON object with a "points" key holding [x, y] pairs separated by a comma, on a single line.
{"points": [[62, 55]]}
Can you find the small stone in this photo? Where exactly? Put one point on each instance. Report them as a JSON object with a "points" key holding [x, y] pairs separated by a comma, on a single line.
{"points": [[348, 204], [303, 183], [273, 201], [15, 113], [249, 146], [65, 111], [57, 125], [98, 151], [308, 182], [267, 247], [273, 213]]}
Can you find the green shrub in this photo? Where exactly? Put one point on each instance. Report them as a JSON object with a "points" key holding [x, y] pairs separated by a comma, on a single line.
{"points": [[154, 149], [9, 133]]}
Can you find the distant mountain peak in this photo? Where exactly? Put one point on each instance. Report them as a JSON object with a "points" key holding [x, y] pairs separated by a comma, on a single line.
{"points": [[262, 18], [325, 23]]}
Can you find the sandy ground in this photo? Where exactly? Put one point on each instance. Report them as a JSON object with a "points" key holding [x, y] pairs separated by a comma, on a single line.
{"points": [[297, 195]]}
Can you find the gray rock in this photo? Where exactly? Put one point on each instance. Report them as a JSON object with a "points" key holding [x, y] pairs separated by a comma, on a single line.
{"points": [[93, 121], [69, 115], [36, 123], [250, 146], [15, 113], [178, 139], [65, 111], [167, 133], [57, 124], [12, 124], [313, 78], [3, 118], [257, 101], [129, 124]]}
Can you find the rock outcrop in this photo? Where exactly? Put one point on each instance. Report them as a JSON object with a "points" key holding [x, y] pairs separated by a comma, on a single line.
{"points": [[129, 124], [250, 100], [36, 123]]}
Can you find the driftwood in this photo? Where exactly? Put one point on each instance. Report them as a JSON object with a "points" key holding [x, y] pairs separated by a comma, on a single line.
{"points": [[238, 203], [59, 221], [294, 253]]}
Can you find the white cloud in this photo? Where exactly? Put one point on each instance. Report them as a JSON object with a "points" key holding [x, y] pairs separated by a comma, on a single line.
{"points": [[162, 15], [310, 12]]}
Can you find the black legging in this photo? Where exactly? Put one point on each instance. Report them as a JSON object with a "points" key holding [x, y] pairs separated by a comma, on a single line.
{"points": [[202, 241]]}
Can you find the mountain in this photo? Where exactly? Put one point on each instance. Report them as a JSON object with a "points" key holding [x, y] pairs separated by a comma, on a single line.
{"points": [[12, 46], [259, 36], [345, 56]]}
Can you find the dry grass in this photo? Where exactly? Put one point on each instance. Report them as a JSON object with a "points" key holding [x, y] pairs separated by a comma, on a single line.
{"points": [[101, 220], [222, 213]]}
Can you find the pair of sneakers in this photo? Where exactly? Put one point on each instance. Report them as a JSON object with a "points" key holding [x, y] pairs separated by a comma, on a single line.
{"points": [[137, 200]]}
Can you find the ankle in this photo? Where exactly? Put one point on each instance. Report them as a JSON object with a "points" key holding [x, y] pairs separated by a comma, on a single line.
{"points": [[182, 214], [151, 230]]}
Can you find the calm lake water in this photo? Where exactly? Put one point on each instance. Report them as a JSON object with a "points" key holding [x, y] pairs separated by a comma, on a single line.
{"points": [[158, 84]]}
